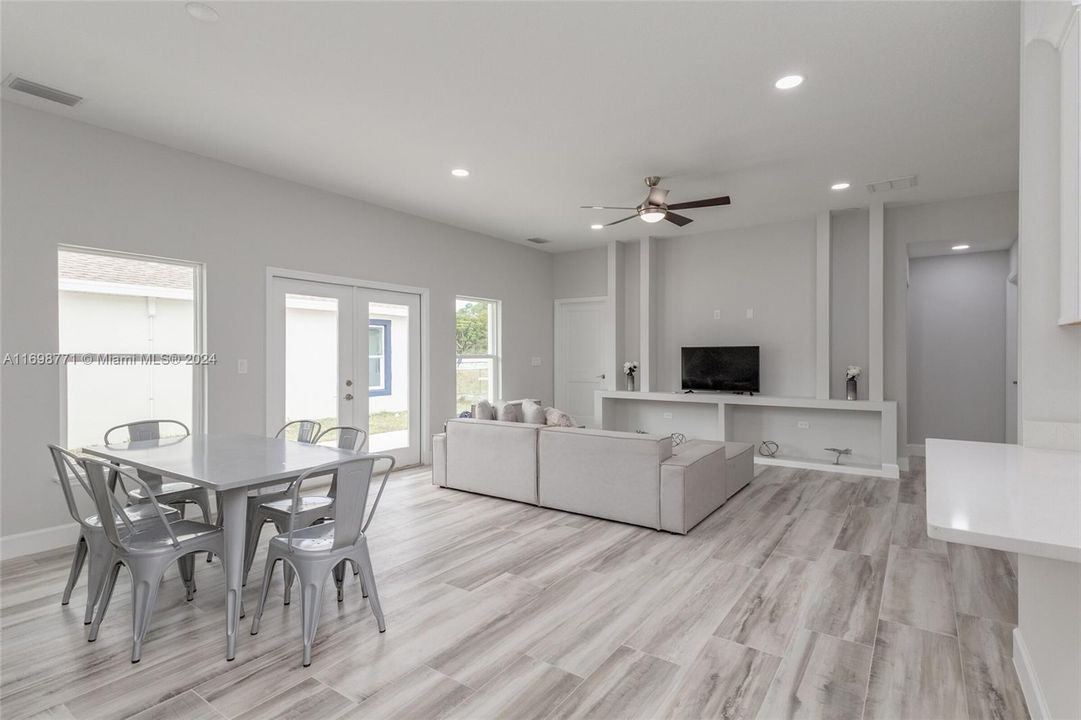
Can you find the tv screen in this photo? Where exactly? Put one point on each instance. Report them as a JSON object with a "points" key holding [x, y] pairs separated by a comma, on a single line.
{"points": [[723, 369]]}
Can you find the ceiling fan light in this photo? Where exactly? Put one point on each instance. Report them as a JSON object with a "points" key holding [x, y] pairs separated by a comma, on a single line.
{"points": [[652, 215]]}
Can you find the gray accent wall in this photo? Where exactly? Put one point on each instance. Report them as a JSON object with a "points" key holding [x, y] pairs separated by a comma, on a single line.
{"points": [[957, 347], [767, 268], [849, 289], [69, 182]]}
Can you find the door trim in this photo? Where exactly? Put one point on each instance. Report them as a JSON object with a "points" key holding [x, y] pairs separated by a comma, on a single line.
{"points": [[425, 356], [557, 346]]}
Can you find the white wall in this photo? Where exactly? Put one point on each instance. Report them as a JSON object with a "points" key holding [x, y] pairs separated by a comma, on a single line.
{"points": [[583, 273], [769, 269], [632, 329], [67, 182], [957, 347], [849, 287]]}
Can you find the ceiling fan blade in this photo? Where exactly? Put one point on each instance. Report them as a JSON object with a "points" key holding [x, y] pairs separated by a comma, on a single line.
{"points": [[605, 207], [657, 196], [708, 202], [677, 219], [617, 222]]}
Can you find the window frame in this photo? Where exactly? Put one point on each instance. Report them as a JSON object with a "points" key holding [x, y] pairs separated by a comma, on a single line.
{"points": [[386, 358], [199, 371], [495, 342]]}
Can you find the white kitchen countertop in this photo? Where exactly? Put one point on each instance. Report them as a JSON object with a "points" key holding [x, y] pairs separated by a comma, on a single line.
{"points": [[1005, 497]]}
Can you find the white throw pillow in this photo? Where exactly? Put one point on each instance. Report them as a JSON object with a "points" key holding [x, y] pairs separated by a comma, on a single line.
{"points": [[483, 411], [507, 412], [558, 418], [533, 413]]}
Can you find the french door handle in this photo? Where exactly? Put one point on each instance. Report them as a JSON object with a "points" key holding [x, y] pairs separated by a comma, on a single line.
{"points": [[349, 396]]}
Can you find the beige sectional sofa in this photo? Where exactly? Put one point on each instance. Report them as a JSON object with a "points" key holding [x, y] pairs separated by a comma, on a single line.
{"points": [[628, 477]]}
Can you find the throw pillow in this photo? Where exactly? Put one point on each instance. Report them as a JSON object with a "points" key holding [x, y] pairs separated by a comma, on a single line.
{"points": [[508, 412], [484, 411], [558, 418], [533, 413]]}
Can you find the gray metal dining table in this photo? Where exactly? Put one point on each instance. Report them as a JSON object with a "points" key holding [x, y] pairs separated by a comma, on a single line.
{"points": [[231, 465]]}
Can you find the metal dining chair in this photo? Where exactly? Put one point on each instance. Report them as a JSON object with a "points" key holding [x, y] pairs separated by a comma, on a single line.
{"points": [[307, 432], [93, 548], [312, 508], [174, 493], [146, 550], [318, 550]]}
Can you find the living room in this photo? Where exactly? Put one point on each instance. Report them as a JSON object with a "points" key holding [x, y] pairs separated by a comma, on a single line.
{"points": [[723, 359]]}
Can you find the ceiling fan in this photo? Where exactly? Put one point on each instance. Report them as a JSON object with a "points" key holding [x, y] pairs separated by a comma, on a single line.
{"points": [[654, 209]]}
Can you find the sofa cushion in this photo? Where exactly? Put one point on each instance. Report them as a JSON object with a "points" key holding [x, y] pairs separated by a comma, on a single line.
{"points": [[508, 412], [533, 413], [493, 458], [483, 411], [557, 418]]}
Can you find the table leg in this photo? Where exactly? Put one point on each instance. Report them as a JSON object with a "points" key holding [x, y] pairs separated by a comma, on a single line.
{"points": [[234, 515]]}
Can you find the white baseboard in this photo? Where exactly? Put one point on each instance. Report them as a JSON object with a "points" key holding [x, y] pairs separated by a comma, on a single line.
{"points": [[1030, 684], [917, 450], [35, 541]]}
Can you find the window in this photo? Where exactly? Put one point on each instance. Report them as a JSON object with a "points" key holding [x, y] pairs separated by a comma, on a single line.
{"points": [[477, 325], [122, 320], [379, 358]]}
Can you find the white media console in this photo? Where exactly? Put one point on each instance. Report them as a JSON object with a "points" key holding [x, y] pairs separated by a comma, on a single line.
{"points": [[802, 427]]}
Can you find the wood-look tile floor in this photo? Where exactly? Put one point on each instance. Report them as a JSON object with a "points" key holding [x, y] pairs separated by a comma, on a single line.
{"points": [[809, 594]]}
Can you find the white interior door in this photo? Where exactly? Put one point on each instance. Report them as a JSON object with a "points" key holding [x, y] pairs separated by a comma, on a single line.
{"points": [[581, 349], [346, 355]]}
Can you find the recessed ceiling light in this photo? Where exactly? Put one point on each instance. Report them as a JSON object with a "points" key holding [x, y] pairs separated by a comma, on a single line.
{"points": [[596, 227], [597, 207], [959, 247], [788, 82], [201, 12], [840, 186], [459, 172]]}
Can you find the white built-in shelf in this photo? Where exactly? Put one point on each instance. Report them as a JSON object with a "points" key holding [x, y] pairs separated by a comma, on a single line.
{"points": [[1005, 497], [719, 409]]}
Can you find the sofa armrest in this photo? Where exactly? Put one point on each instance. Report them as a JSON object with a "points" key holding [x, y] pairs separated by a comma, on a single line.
{"points": [[439, 460], [693, 484]]}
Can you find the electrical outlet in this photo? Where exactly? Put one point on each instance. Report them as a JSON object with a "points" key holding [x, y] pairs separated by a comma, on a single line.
{"points": [[242, 367], [536, 362], [750, 313], [668, 416], [716, 314], [803, 425]]}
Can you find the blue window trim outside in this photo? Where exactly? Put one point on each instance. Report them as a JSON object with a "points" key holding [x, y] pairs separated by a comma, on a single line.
{"points": [[387, 357]]}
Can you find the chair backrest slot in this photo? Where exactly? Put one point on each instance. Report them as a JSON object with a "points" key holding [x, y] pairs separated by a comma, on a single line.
{"points": [[307, 430]]}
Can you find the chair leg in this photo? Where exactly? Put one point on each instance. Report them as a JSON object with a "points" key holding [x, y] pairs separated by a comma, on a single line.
{"points": [[99, 558], [76, 568], [106, 596], [339, 579], [186, 566], [217, 523], [287, 575], [251, 547], [144, 593], [268, 573], [312, 578], [368, 575], [202, 499]]}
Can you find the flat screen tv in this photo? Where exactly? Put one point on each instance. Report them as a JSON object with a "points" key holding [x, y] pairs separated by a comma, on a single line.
{"points": [[721, 369]]}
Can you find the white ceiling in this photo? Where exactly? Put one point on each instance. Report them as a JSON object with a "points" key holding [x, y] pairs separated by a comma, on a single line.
{"points": [[552, 105]]}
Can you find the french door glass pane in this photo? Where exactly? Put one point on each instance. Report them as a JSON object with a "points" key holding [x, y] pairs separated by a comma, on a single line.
{"points": [[388, 376], [311, 359]]}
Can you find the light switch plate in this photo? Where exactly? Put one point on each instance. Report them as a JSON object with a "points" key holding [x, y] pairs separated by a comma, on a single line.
{"points": [[803, 425], [536, 362], [750, 313], [668, 416], [242, 367], [716, 314]]}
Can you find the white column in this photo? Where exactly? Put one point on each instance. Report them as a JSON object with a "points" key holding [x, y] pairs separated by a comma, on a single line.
{"points": [[614, 371], [875, 307], [645, 313], [822, 308]]}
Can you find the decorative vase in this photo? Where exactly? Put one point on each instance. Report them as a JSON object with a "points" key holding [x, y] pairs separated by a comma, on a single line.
{"points": [[630, 383], [851, 386]]}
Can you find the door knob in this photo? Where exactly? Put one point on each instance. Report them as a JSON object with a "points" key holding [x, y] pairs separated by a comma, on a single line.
{"points": [[349, 396], [349, 383], [601, 376]]}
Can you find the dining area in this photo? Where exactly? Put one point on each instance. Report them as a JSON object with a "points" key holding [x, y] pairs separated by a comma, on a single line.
{"points": [[148, 481]]}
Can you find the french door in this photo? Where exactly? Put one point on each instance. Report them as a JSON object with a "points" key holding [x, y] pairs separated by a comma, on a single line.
{"points": [[346, 355]]}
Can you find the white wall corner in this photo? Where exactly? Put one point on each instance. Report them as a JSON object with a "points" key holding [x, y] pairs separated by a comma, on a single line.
{"points": [[822, 307], [876, 303], [615, 379]]}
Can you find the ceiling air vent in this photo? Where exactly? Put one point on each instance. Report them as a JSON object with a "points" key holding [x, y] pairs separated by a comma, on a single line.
{"points": [[901, 183], [538, 241], [44, 92]]}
